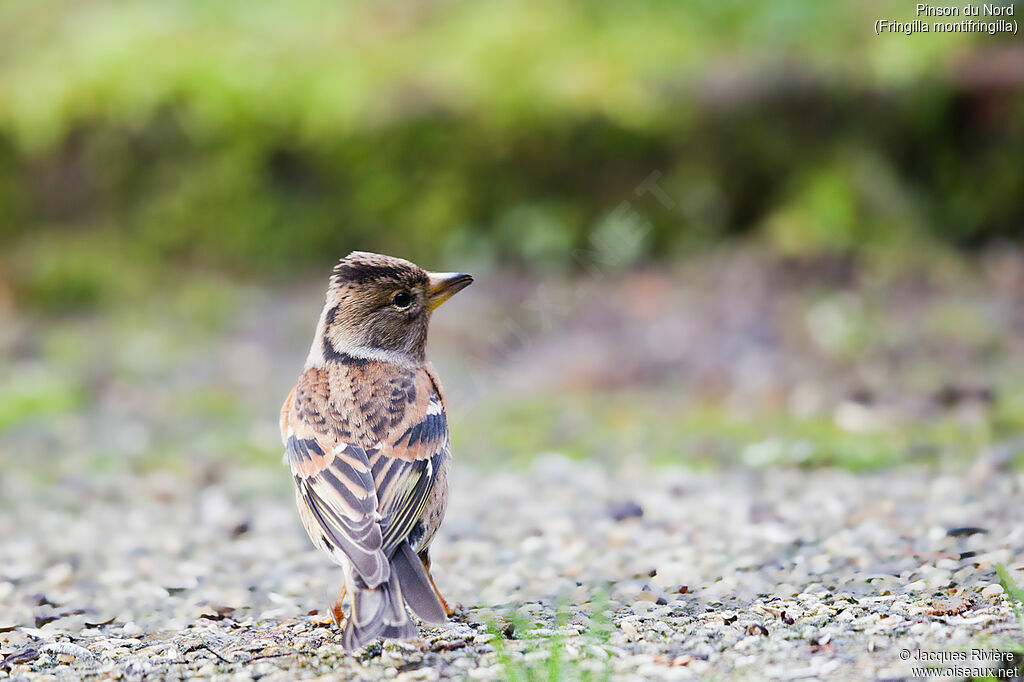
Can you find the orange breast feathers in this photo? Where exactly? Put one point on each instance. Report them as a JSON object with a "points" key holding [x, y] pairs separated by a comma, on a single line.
{"points": [[376, 405]]}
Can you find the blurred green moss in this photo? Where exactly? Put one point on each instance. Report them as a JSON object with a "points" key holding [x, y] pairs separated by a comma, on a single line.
{"points": [[623, 427], [36, 398], [257, 138]]}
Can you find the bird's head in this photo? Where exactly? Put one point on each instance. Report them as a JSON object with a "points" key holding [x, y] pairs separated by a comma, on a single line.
{"points": [[378, 307]]}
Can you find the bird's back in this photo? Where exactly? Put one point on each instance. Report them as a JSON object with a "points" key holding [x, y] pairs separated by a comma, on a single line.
{"points": [[367, 442]]}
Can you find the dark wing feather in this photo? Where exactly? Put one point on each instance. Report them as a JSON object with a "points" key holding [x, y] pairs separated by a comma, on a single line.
{"points": [[404, 473], [338, 502], [407, 508]]}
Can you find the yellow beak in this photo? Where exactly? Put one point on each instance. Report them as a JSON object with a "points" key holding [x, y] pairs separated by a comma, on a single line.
{"points": [[444, 285]]}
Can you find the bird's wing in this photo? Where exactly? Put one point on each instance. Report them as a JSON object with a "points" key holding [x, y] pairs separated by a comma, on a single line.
{"points": [[405, 469], [338, 502], [365, 443]]}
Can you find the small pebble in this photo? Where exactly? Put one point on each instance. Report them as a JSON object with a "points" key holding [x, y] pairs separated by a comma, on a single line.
{"points": [[992, 591]]}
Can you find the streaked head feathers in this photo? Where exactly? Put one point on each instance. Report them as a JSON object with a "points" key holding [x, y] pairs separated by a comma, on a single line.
{"points": [[378, 307]]}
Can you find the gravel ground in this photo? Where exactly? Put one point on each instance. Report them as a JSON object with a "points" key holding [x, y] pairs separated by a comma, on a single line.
{"points": [[197, 566], [565, 568]]}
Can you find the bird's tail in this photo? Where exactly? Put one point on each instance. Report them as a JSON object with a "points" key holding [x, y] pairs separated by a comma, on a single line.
{"points": [[417, 587], [377, 612], [380, 611]]}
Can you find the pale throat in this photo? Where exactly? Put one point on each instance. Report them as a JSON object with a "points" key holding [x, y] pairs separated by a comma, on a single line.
{"points": [[342, 342]]}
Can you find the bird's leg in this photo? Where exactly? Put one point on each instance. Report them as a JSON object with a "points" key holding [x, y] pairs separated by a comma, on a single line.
{"points": [[337, 609], [425, 558]]}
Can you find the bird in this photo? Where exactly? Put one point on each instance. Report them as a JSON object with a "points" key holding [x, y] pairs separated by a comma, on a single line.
{"points": [[366, 438]]}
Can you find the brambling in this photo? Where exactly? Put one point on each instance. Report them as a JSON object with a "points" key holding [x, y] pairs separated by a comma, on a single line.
{"points": [[366, 438]]}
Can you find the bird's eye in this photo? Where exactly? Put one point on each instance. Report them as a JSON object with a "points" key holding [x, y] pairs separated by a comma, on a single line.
{"points": [[402, 300]]}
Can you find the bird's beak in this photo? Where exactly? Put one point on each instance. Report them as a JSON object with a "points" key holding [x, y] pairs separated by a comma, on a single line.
{"points": [[444, 285]]}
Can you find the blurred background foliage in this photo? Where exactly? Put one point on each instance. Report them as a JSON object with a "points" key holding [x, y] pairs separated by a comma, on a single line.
{"points": [[254, 139], [718, 231]]}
